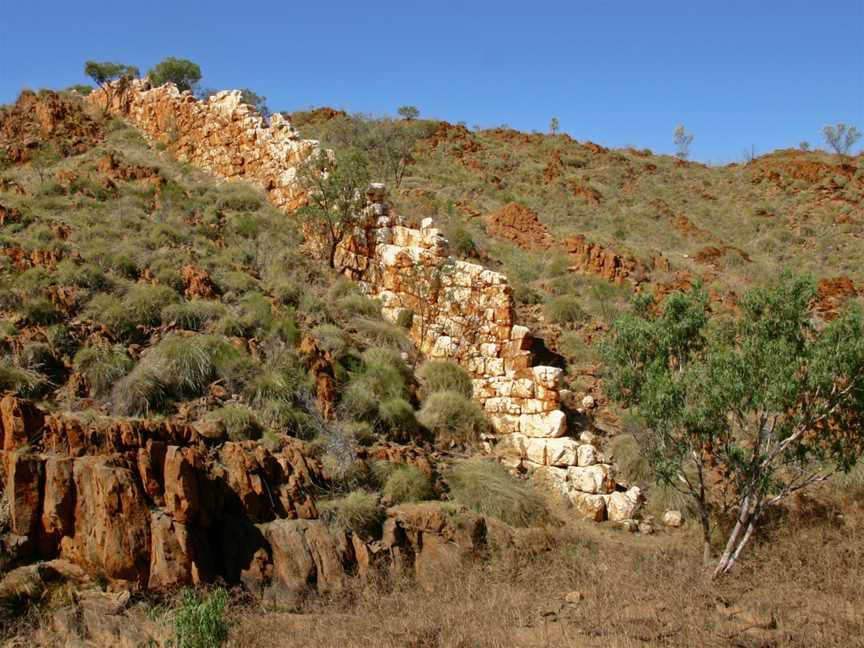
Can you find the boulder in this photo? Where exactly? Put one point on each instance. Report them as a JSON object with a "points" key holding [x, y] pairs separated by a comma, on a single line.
{"points": [[174, 557], [673, 518], [307, 554], [182, 490], [590, 506], [112, 534], [549, 425], [591, 479], [624, 506]]}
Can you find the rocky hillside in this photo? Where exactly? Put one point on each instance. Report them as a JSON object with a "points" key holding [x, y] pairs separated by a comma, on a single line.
{"points": [[189, 396]]}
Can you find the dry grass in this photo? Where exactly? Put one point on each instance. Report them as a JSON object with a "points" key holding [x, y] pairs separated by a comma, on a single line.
{"points": [[804, 589]]}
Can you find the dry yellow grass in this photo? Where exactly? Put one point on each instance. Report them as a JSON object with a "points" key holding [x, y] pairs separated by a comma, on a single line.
{"points": [[804, 588]]}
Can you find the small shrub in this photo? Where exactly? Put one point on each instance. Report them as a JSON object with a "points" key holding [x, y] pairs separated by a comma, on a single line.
{"points": [[408, 484], [194, 315], [200, 621], [452, 418], [22, 380], [356, 305], [380, 333], [102, 366], [564, 310], [41, 311], [358, 511], [525, 294], [239, 421], [398, 415], [437, 375], [485, 487], [386, 372], [462, 243], [139, 393], [405, 318], [330, 339]]}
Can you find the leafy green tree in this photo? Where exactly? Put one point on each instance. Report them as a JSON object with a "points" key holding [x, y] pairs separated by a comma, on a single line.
{"points": [[255, 100], [554, 125], [105, 73], [183, 73], [841, 137], [740, 413], [336, 190], [682, 140], [409, 112], [44, 157]]}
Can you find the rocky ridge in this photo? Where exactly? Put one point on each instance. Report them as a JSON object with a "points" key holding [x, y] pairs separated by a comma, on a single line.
{"points": [[221, 134]]}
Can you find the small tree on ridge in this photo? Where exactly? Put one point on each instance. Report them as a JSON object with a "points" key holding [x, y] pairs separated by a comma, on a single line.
{"points": [[105, 73], [183, 73], [841, 137], [682, 140]]}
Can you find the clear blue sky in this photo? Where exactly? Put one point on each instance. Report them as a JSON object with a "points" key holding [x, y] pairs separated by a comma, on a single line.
{"points": [[736, 73]]}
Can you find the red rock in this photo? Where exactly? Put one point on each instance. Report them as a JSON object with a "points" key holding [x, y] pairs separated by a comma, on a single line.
{"points": [[20, 420], [24, 478], [112, 522], [58, 508]]}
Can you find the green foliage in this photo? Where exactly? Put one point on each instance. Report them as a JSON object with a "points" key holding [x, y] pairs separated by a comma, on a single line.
{"points": [[407, 484], [255, 100], [102, 366], [439, 375], [183, 73], [139, 393], [21, 380], [106, 72], [239, 421], [41, 310], [462, 243], [337, 196], [194, 315], [767, 397], [405, 318], [398, 415], [485, 487], [409, 112], [140, 308], [453, 418], [200, 621], [358, 511], [564, 310]]}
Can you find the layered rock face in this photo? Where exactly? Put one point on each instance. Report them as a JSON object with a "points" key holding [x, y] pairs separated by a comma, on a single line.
{"points": [[144, 501], [221, 134], [154, 504]]}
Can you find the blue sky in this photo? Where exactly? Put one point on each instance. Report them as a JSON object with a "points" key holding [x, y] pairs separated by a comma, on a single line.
{"points": [[762, 73]]}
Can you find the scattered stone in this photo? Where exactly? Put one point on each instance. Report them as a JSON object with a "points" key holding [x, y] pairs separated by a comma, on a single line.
{"points": [[574, 597], [646, 528], [673, 518]]}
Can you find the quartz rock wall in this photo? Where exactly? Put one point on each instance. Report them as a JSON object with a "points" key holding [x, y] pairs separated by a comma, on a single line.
{"points": [[460, 312], [220, 134]]}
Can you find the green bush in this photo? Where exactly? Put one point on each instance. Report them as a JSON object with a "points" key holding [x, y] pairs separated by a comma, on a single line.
{"points": [[439, 375], [356, 305], [408, 484], [380, 333], [41, 311], [385, 372], [21, 380], [452, 418], [200, 621], [102, 366], [331, 339], [398, 415], [405, 319], [485, 487], [194, 315], [564, 310], [139, 393], [358, 511], [462, 243], [239, 421]]}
